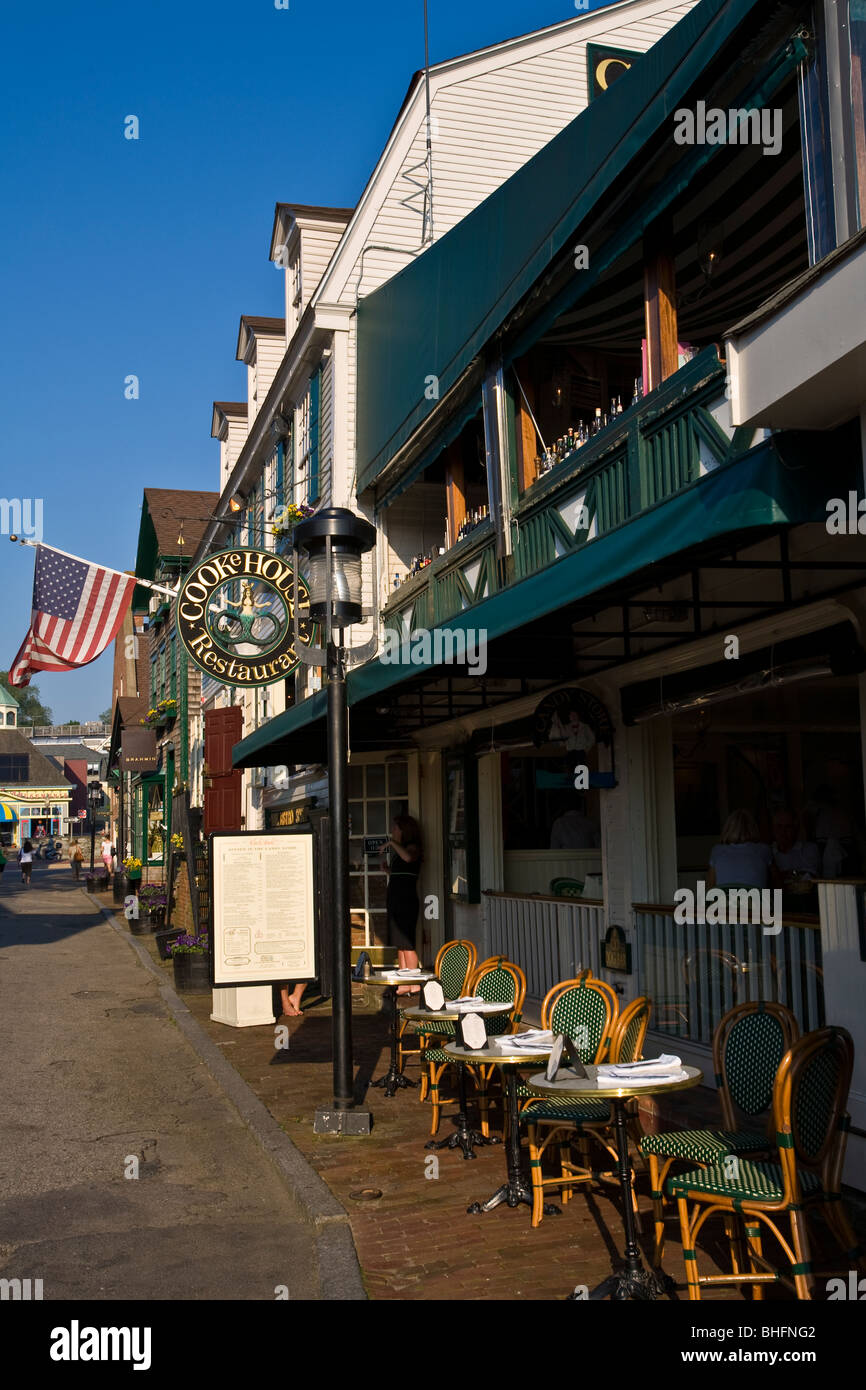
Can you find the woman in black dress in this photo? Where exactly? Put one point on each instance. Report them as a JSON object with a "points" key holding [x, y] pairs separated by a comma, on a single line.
{"points": [[402, 896]]}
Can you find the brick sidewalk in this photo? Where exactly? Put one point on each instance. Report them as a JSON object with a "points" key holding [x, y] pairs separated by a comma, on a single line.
{"points": [[417, 1241]]}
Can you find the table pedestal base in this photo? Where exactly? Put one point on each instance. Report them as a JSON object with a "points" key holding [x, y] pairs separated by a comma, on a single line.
{"points": [[515, 1193], [464, 1138], [632, 1285], [393, 1081]]}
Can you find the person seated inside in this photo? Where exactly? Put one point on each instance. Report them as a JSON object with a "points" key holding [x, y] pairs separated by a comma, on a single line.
{"points": [[791, 854], [741, 859], [574, 829]]}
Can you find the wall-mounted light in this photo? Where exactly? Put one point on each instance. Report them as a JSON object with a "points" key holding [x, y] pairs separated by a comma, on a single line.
{"points": [[710, 248], [237, 502], [279, 427]]}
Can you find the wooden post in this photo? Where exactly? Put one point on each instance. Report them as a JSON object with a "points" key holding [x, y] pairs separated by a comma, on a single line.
{"points": [[527, 441], [660, 305], [455, 489]]}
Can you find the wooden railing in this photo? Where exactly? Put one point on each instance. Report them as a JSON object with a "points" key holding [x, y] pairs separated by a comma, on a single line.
{"points": [[551, 939], [694, 973]]}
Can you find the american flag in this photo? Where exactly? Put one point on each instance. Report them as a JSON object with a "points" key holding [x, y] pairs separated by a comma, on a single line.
{"points": [[77, 611]]}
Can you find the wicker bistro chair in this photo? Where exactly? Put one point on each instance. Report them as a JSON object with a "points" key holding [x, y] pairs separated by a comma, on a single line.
{"points": [[496, 980], [554, 1121], [809, 1097], [454, 965], [748, 1046]]}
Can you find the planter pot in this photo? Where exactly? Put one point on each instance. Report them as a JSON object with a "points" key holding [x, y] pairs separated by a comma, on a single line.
{"points": [[119, 888], [164, 939], [156, 918], [139, 927], [133, 881], [192, 974]]}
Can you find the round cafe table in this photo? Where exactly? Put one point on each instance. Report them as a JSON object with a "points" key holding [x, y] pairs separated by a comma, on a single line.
{"points": [[633, 1281], [516, 1191], [463, 1137], [389, 980]]}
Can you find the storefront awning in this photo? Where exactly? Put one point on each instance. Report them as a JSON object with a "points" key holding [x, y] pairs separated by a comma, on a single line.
{"points": [[7, 812], [758, 490], [436, 315]]}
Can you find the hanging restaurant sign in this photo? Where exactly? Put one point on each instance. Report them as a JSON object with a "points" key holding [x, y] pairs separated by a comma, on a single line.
{"points": [[573, 717], [235, 617]]}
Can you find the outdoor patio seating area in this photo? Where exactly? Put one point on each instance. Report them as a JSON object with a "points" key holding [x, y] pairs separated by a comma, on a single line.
{"points": [[554, 1229]]}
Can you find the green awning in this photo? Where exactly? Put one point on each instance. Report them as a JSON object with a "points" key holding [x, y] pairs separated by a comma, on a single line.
{"points": [[436, 315], [769, 486]]}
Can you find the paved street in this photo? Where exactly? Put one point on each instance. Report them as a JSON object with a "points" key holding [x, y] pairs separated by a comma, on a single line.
{"points": [[95, 1072]]}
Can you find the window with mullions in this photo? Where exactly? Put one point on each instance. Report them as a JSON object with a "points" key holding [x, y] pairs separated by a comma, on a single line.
{"points": [[154, 671], [857, 91], [14, 768], [833, 122], [308, 458]]}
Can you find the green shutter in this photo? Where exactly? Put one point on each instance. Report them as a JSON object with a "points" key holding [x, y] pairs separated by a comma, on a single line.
{"points": [[313, 475], [280, 474]]}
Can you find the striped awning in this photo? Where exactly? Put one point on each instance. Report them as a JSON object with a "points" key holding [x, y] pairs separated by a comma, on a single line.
{"points": [[7, 812]]}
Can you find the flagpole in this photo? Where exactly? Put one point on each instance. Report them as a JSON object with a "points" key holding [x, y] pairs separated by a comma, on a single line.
{"points": [[146, 583]]}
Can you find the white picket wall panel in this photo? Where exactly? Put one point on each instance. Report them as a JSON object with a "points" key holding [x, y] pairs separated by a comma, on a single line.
{"points": [[551, 939]]}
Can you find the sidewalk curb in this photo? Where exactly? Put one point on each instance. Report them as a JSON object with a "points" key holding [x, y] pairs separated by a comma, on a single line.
{"points": [[339, 1270]]}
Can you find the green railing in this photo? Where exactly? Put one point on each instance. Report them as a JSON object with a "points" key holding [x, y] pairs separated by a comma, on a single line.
{"points": [[654, 449]]}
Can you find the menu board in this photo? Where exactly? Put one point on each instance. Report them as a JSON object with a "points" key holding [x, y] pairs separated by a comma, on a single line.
{"points": [[262, 907]]}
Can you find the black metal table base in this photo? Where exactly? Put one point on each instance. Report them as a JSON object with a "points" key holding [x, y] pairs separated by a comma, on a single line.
{"points": [[393, 1080], [632, 1283], [626, 1286], [514, 1193], [464, 1137]]}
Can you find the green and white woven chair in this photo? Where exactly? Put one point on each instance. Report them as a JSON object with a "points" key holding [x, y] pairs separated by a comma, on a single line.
{"points": [[811, 1126], [498, 981], [585, 1010], [748, 1046], [454, 965]]}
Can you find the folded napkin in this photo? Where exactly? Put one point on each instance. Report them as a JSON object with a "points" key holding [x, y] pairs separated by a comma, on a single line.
{"points": [[657, 1066], [643, 1078], [408, 974], [535, 1039]]}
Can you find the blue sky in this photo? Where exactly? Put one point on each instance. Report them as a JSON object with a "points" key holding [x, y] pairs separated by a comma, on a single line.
{"points": [[121, 257]]}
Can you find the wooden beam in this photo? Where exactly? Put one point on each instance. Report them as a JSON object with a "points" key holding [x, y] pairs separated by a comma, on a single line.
{"points": [[455, 489], [660, 305], [527, 440]]}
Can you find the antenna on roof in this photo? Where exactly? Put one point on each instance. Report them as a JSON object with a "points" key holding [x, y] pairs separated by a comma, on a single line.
{"points": [[426, 188]]}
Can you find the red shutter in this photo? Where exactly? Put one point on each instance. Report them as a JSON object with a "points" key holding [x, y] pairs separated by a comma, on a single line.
{"points": [[223, 728]]}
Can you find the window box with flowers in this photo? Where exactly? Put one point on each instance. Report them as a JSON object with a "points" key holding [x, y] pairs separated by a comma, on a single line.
{"points": [[162, 713]]}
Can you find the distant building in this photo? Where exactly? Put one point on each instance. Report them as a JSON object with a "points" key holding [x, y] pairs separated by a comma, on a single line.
{"points": [[9, 708], [34, 793]]}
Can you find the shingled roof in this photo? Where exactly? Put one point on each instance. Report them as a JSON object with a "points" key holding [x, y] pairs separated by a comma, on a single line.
{"points": [[169, 506], [41, 772]]}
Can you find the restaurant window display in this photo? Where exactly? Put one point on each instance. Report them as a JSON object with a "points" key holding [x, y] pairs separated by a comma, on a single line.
{"points": [[551, 827]]}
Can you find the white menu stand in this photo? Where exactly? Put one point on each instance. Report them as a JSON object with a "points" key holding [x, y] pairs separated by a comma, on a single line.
{"points": [[243, 1008]]}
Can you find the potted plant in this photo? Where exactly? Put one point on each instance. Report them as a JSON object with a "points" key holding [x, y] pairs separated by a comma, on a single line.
{"points": [[132, 865], [164, 939], [191, 965], [285, 519], [153, 900]]}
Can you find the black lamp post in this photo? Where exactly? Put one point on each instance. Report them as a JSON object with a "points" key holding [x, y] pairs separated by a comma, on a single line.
{"points": [[94, 798], [334, 540]]}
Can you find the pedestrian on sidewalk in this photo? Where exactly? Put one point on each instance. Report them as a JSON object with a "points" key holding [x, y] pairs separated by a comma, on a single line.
{"points": [[401, 898], [76, 855], [292, 1002], [25, 859]]}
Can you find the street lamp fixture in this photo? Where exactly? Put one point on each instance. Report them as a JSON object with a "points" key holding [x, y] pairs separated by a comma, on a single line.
{"points": [[94, 798], [334, 541]]}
